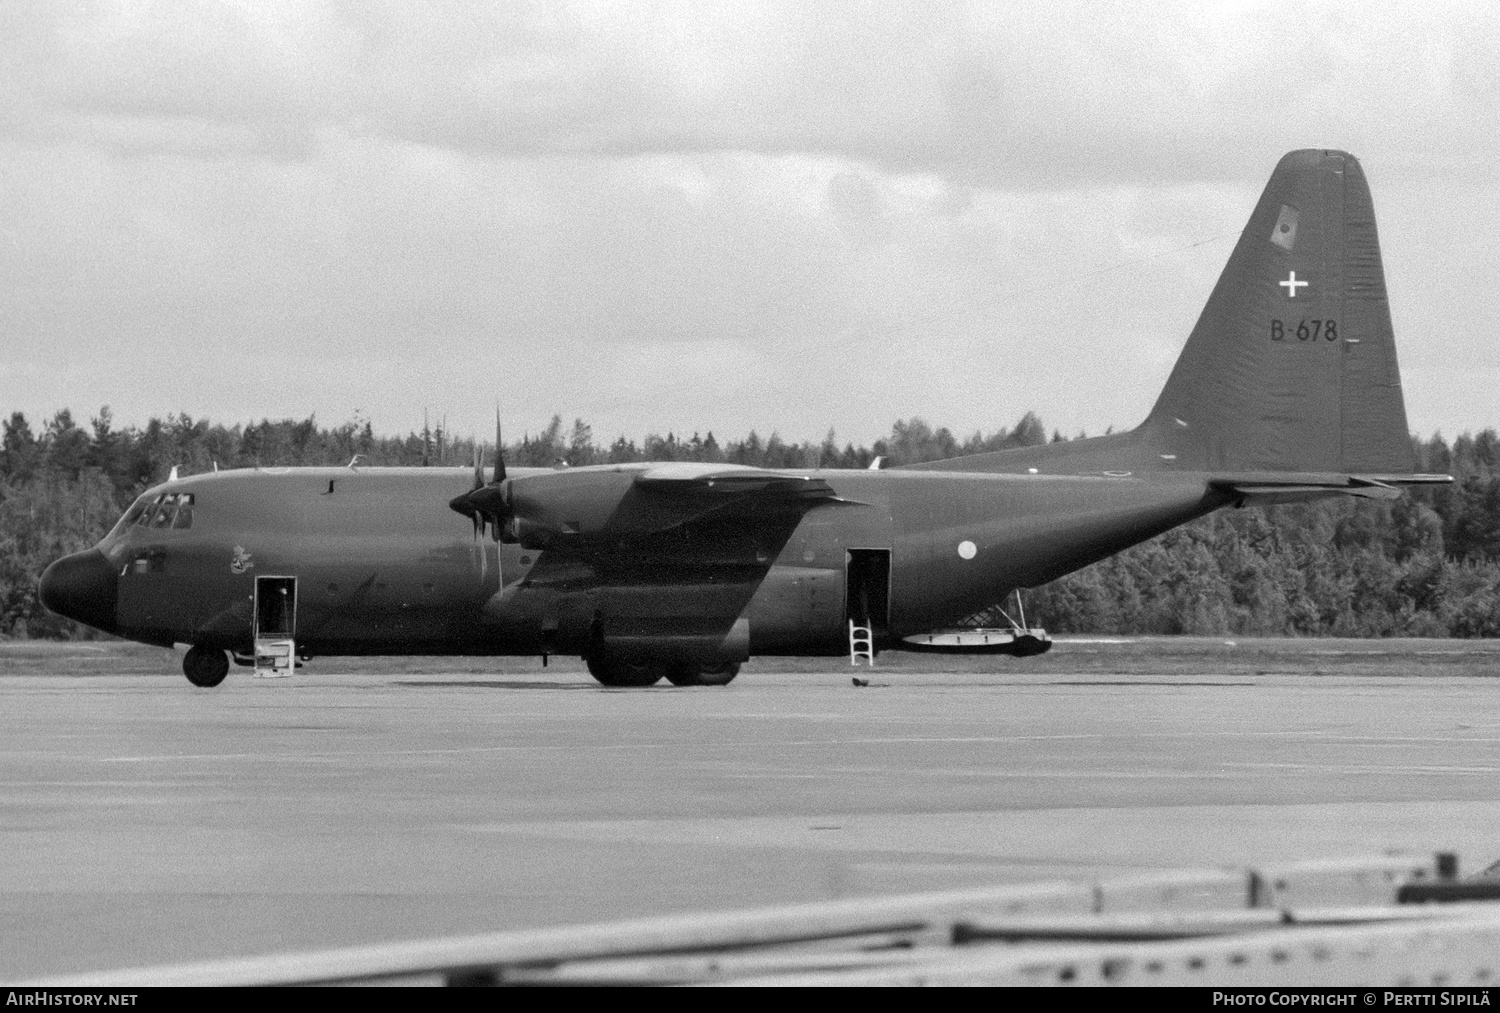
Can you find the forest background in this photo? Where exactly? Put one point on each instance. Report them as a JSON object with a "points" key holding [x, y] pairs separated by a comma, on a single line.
{"points": [[1426, 565]]}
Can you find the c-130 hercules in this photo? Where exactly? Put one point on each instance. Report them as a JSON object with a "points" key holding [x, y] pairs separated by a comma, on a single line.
{"points": [[1286, 390]]}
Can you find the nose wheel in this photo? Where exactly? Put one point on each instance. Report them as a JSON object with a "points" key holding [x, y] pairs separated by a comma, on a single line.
{"points": [[205, 666]]}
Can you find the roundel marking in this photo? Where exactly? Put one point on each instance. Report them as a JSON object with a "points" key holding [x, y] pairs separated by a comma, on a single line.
{"points": [[967, 549]]}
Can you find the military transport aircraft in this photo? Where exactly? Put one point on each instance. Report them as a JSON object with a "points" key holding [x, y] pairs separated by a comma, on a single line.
{"points": [[1286, 390]]}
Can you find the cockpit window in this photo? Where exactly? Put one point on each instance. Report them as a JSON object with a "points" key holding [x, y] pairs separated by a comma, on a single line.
{"points": [[169, 510], [131, 516]]}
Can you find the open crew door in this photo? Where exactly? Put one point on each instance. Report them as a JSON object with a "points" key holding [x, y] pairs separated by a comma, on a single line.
{"points": [[867, 600], [275, 626]]}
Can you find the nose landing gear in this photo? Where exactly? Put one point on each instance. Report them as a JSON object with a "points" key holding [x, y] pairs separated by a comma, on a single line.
{"points": [[205, 666]]}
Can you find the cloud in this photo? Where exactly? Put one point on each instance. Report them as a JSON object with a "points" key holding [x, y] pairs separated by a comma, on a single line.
{"points": [[993, 95], [821, 213]]}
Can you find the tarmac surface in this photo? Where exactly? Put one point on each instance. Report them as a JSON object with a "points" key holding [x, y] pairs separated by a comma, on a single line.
{"points": [[143, 821]]}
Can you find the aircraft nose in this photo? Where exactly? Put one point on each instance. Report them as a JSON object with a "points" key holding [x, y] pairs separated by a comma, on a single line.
{"points": [[84, 587]]}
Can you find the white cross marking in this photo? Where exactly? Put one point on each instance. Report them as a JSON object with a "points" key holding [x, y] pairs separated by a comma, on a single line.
{"points": [[1291, 284]]}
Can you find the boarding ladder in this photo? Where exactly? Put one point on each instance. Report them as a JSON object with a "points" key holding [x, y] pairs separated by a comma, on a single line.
{"points": [[861, 645]]}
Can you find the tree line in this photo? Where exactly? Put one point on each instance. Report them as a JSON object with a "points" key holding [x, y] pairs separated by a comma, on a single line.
{"points": [[1426, 565]]}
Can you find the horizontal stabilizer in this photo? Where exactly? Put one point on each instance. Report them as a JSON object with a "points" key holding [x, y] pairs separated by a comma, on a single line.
{"points": [[1291, 487]]}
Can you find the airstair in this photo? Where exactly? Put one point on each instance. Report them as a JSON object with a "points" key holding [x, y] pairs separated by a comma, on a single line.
{"points": [[861, 645]]}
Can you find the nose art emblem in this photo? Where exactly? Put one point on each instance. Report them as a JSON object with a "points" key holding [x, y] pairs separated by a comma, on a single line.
{"points": [[241, 560]]}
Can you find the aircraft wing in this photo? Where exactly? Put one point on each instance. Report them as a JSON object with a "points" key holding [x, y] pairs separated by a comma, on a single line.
{"points": [[721, 483], [586, 506]]}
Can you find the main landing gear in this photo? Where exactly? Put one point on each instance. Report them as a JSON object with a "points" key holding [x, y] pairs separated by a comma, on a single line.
{"points": [[613, 670], [205, 666]]}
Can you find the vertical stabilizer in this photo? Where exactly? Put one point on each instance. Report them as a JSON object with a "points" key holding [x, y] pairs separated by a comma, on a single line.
{"points": [[1292, 365]]}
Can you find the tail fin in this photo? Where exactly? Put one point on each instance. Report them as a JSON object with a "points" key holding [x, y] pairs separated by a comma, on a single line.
{"points": [[1292, 365]]}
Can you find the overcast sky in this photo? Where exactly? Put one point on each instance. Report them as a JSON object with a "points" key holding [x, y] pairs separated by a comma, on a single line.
{"points": [[691, 216]]}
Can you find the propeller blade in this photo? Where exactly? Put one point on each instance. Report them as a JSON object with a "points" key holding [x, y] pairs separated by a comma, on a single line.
{"points": [[484, 559], [499, 451], [487, 504]]}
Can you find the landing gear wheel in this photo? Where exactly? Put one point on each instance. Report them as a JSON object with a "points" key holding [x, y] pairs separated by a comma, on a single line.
{"points": [[639, 671], [603, 670], [682, 673], [687, 673], [613, 671], [205, 666], [719, 675]]}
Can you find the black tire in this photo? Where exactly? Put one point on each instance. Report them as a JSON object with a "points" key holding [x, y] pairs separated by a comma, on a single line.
{"points": [[639, 671], [683, 673], [720, 675], [205, 666], [617, 672], [601, 669], [688, 673]]}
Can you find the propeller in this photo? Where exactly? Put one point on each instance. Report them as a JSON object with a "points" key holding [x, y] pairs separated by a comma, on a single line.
{"points": [[487, 504]]}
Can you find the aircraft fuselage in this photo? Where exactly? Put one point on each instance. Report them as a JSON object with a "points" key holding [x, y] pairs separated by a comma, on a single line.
{"points": [[383, 566]]}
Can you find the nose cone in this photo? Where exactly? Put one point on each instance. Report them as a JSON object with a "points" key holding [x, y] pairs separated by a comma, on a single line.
{"points": [[84, 587]]}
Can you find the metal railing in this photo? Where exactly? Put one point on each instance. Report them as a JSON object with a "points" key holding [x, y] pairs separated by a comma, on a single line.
{"points": [[1317, 923]]}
